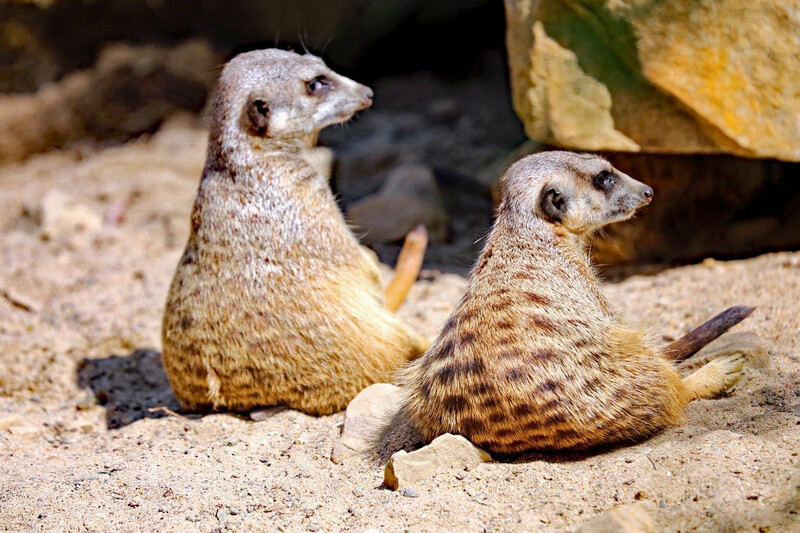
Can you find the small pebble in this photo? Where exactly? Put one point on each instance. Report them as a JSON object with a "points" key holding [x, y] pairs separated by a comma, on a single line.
{"points": [[460, 476], [358, 492], [408, 492], [260, 415]]}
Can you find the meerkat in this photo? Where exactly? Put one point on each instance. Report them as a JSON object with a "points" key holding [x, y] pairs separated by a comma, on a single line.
{"points": [[274, 302], [534, 356]]}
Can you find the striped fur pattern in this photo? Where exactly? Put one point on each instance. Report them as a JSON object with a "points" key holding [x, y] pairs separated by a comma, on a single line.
{"points": [[534, 357], [274, 301]]}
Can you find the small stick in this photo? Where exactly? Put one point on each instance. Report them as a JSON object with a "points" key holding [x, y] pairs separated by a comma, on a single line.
{"points": [[692, 342], [407, 268], [167, 411]]}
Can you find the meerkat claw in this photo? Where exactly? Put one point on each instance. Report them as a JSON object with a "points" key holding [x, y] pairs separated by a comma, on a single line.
{"points": [[717, 377]]}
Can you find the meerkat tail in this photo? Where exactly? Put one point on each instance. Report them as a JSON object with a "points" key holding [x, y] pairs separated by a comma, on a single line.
{"points": [[692, 342], [407, 268]]}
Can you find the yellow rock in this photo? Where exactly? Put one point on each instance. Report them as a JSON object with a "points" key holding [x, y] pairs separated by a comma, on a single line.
{"points": [[679, 76], [446, 453]]}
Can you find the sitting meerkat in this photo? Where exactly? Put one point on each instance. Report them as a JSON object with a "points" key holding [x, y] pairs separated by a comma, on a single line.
{"points": [[274, 302], [534, 356]]}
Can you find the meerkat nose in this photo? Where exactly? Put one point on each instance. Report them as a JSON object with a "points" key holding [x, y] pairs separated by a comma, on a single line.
{"points": [[368, 94], [648, 194]]}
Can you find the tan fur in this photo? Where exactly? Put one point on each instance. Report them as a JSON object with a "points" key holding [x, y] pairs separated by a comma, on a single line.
{"points": [[274, 301], [534, 356]]}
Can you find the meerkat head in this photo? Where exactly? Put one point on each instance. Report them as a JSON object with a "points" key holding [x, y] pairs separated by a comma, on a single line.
{"points": [[580, 192], [281, 98]]}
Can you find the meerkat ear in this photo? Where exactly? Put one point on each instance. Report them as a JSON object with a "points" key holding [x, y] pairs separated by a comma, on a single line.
{"points": [[553, 204], [258, 115]]}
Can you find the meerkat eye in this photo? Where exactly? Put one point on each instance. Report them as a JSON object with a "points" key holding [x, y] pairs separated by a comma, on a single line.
{"points": [[319, 86], [261, 107], [605, 181]]}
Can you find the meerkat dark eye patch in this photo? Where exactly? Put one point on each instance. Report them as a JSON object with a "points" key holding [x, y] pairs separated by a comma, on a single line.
{"points": [[319, 86], [605, 181], [258, 114], [553, 204]]}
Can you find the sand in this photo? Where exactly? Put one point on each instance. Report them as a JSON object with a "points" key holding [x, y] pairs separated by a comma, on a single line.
{"points": [[87, 441]]}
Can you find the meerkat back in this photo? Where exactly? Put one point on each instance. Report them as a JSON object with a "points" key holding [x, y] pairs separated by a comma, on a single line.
{"points": [[534, 356], [274, 301]]}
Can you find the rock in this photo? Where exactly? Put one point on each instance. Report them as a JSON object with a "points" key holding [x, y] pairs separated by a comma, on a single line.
{"points": [[663, 77], [409, 197], [131, 90], [259, 415], [59, 215], [9, 421], [19, 427], [446, 453], [632, 518], [408, 492], [411, 180], [578, 106], [733, 341], [365, 419]]}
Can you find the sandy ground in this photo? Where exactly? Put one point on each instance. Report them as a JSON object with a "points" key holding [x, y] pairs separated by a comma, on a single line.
{"points": [[84, 445]]}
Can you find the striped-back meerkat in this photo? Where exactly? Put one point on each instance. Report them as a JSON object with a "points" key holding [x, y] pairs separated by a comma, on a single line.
{"points": [[534, 356], [274, 301]]}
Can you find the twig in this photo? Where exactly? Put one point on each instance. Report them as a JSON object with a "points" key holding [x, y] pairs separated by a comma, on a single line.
{"points": [[407, 268], [167, 411]]}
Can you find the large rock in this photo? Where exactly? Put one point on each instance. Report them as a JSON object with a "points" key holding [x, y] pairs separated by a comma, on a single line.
{"points": [[365, 419], [681, 76], [409, 197], [447, 453]]}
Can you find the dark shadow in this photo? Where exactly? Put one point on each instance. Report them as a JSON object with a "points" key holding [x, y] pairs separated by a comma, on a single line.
{"points": [[397, 434], [130, 387], [468, 205]]}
